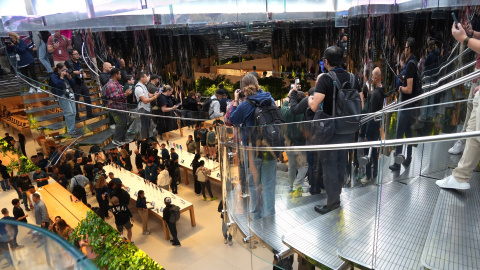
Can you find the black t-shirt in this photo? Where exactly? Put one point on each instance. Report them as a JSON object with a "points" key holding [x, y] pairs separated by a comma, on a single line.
{"points": [[18, 213], [325, 86], [65, 170], [122, 213], [410, 72], [138, 160], [4, 172], [164, 100], [89, 171], [174, 157], [23, 182]]}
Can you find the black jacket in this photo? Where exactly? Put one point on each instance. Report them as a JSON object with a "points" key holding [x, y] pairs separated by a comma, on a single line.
{"points": [[375, 104], [300, 107], [71, 66], [104, 78]]}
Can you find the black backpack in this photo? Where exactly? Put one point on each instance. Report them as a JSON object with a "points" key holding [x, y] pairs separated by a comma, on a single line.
{"points": [[346, 102], [203, 134], [174, 214], [268, 128], [78, 191], [206, 107]]}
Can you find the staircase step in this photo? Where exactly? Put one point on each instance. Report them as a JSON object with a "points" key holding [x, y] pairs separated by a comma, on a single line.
{"points": [[399, 235], [33, 100], [453, 240], [320, 238], [42, 109], [130, 138], [86, 129], [61, 124], [98, 138], [48, 117], [272, 228]]}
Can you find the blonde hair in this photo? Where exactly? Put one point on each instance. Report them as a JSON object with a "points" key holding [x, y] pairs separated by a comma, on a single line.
{"points": [[167, 89], [101, 181], [250, 85], [15, 35]]}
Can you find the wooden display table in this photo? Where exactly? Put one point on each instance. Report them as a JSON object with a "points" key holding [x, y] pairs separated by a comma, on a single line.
{"points": [[57, 200], [154, 194]]}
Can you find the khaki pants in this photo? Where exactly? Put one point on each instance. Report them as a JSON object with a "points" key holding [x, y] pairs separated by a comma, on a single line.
{"points": [[470, 102], [471, 154], [56, 62], [166, 187], [144, 214]]}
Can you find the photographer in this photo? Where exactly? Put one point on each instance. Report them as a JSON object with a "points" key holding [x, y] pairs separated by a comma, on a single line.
{"points": [[63, 83], [58, 45], [74, 68], [167, 108], [25, 60]]}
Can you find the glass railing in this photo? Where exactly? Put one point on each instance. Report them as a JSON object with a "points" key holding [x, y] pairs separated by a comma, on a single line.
{"points": [[275, 193], [25, 246]]}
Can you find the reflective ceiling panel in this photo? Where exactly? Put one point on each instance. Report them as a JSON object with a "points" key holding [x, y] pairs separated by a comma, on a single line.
{"points": [[12, 8]]}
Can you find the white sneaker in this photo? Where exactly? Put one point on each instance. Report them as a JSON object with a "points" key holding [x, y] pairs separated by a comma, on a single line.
{"points": [[112, 126], [457, 148], [365, 180], [452, 183], [226, 241]]}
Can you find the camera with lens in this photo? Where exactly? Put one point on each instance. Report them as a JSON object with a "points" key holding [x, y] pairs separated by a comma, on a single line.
{"points": [[7, 41]]}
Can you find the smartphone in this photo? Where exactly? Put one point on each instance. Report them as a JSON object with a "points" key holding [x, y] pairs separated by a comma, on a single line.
{"points": [[55, 40], [297, 81], [291, 86], [455, 19], [178, 105]]}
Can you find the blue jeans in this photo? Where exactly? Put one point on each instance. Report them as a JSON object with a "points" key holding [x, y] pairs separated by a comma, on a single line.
{"points": [[5, 185], [14, 185], [225, 231], [43, 56], [24, 198], [69, 111], [262, 187]]}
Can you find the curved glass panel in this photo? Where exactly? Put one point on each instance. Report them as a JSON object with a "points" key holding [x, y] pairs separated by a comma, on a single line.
{"points": [[25, 246]]}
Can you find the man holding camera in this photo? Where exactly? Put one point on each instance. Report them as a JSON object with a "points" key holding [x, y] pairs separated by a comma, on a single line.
{"points": [[58, 45], [74, 67]]}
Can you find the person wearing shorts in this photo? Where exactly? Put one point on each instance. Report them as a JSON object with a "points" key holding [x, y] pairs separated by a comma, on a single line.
{"points": [[123, 217]]}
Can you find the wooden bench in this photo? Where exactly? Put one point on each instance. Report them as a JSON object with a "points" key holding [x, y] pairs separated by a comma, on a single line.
{"points": [[12, 123]]}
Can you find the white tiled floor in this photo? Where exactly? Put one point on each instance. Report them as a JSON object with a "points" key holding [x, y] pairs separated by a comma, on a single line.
{"points": [[202, 246]]}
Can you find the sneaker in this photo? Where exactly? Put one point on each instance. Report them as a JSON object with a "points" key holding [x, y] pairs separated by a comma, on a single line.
{"points": [[394, 167], [365, 180], [457, 148], [230, 242], [117, 143], [176, 244], [112, 126], [204, 198], [146, 233], [75, 134], [452, 183], [226, 241], [213, 198]]}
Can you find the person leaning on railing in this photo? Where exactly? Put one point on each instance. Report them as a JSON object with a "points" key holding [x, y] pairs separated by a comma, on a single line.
{"points": [[471, 155]]}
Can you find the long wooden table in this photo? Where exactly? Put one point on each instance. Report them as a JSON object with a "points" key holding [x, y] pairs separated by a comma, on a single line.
{"points": [[57, 200], [153, 194]]}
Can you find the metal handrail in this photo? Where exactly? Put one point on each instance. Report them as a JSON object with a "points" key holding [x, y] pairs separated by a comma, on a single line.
{"points": [[86, 62], [361, 145], [447, 64], [449, 75], [442, 88]]}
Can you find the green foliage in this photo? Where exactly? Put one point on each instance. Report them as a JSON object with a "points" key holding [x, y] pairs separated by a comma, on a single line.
{"points": [[33, 121], [23, 165], [112, 251], [275, 86], [207, 86]]}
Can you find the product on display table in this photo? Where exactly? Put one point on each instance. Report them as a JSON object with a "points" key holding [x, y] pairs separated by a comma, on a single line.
{"points": [[185, 160], [153, 193]]}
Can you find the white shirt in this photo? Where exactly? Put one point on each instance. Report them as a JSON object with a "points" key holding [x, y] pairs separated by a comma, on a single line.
{"points": [[141, 90], [214, 110], [163, 178]]}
